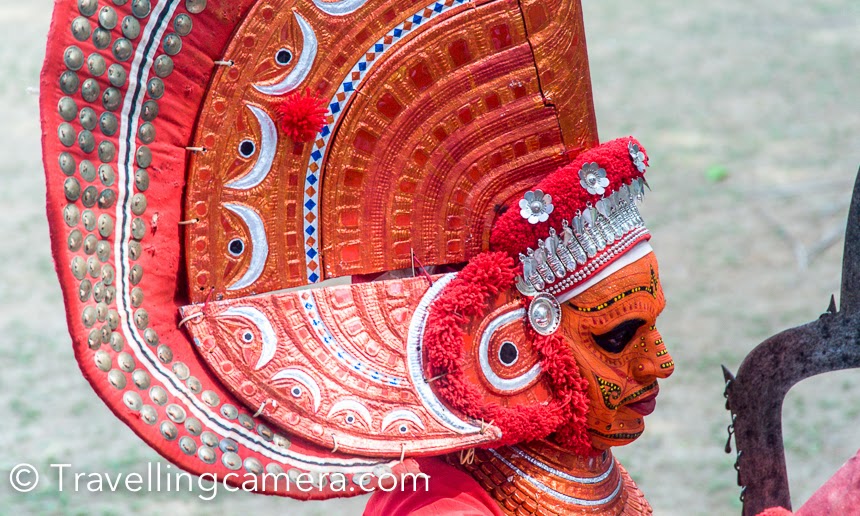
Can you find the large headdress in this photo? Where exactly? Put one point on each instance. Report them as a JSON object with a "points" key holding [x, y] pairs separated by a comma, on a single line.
{"points": [[184, 195]]}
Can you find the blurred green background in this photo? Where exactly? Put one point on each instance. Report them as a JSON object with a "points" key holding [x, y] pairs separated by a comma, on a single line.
{"points": [[751, 114]]}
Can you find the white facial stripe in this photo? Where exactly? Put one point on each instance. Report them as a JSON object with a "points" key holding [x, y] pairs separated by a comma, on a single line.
{"points": [[637, 252], [258, 319], [401, 415], [259, 245], [267, 147], [352, 405], [304, 379], [303, 66], [503, 384], [339, 8]]}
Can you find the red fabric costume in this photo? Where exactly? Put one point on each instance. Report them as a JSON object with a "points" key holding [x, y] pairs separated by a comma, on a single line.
{"points": [[451, 491]]}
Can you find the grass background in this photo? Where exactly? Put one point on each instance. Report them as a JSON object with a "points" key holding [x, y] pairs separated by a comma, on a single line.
{"points": [[751, 114]]}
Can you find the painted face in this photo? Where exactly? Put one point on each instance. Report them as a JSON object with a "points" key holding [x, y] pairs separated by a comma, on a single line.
{"points": [[615, 342]]}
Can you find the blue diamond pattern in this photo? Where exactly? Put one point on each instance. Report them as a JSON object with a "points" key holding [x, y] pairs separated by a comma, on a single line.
{"points": [[335, 107]]}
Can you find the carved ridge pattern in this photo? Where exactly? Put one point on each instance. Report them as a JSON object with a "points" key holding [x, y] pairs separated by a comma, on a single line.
{"points": [[539, 478], [517, 131], [309, 378]]}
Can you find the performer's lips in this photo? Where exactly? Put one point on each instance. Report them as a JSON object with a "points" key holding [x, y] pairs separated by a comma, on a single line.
{"points": [[644, 407]]}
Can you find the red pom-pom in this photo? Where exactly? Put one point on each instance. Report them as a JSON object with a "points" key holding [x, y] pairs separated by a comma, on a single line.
{"points": [[302, 116]]}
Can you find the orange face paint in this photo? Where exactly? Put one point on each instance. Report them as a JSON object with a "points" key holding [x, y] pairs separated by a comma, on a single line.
{"points": [[612, 333]]}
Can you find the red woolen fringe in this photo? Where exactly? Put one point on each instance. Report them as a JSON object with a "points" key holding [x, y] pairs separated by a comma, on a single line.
{"points": [[465, 298], [513, 234], [302, 117]]}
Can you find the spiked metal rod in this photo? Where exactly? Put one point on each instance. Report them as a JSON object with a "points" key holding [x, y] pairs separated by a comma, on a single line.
{"points": [[849, 298], [755, 395]]}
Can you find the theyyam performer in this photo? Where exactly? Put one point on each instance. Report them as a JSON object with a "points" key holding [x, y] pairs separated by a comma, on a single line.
{"points": [[491, 316]]}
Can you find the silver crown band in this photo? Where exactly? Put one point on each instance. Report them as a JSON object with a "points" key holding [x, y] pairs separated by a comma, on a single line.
{"points": [[592, 238]]}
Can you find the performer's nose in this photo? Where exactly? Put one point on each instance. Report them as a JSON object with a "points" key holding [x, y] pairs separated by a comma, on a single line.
{"points": [[654, 363]]}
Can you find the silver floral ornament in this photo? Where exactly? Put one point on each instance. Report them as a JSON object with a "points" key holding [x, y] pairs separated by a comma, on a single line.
{"points": [[536, 206], [593, 178], [637, 156]]}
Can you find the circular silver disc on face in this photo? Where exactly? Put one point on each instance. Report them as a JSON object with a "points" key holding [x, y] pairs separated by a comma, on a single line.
{"points": [[544, 314]]}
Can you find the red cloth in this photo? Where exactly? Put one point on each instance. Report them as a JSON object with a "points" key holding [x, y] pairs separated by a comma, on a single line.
{"points": [[449, 492], [840, 495]]}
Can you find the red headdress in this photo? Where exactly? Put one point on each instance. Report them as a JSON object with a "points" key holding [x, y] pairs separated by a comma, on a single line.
{"points": [[172, 187]]}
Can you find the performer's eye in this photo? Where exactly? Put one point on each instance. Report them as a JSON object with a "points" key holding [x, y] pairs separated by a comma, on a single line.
{"points": [[616, 339]]}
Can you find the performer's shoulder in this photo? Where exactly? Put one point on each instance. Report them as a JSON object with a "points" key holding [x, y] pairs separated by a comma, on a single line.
{"points": [[446, 490]]}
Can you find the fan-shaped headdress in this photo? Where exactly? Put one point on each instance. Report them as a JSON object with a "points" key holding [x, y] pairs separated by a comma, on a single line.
{"points": [[203, 157]]}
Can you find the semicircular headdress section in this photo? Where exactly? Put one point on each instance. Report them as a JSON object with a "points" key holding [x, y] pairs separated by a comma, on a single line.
{"points": [[437, 114]]}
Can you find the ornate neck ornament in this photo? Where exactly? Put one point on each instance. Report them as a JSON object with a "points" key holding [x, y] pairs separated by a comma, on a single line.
{"points": [[542, 478]]}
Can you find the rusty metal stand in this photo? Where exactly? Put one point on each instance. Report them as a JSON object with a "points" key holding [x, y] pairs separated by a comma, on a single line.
{"points": [[755, 395]]}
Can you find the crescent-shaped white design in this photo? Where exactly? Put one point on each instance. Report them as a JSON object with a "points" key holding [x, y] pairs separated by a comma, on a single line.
{"points": [[258, 319], [259, 245], [268, 146], [339, 8], [354, 406], [304, 379], [415, 363], [503, 384], [303, 67], [401, 415]]}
